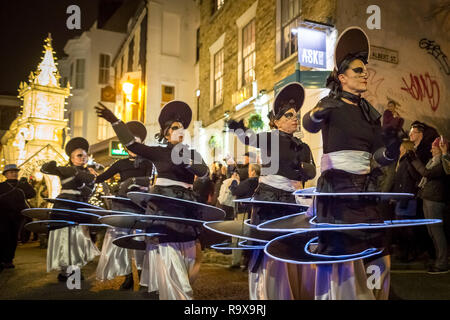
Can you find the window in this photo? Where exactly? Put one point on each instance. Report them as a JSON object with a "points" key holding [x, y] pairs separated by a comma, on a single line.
{"points": [[248, 53], [79, 74], [168, 94], [290, 19], [130, 55], [103, 73], [77, 123], [102, 129], [218, 77]]}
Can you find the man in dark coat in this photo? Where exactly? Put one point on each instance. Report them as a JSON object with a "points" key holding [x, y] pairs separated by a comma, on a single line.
{"points": [[13, 199]]}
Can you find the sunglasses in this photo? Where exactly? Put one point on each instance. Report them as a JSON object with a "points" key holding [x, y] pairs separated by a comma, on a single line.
{"points": [[290, 115], [80, 155], [359, 70]]}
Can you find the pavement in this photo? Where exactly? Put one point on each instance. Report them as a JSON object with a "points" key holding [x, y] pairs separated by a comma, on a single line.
{"points": [[216, 281]]}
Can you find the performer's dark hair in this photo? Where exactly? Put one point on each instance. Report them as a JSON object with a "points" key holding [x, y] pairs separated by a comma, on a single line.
{"points": [[285, 106], [161, 135]]}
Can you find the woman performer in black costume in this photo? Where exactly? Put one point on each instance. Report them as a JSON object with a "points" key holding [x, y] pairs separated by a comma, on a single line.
{"points": [[135, 174], [173, 261], [287, 163], [352, 138], [78, 185]]}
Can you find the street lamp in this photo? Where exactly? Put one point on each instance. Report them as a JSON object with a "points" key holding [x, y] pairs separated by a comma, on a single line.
{"points": [[127, 87]]}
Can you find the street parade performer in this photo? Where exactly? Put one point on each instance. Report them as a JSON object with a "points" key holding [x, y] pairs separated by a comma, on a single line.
{"points": [[352, 137], [77, 184], [174, 262], [287, 163], [135, 175]]}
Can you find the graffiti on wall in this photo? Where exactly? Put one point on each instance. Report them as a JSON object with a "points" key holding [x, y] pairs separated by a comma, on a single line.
{"points": [[435, 50], [422, 87]]}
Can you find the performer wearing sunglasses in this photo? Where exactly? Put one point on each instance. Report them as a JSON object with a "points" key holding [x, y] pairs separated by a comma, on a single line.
{"points": [[135, 174], [173, 261], [287, 163], [352, 139], [77, 184]]}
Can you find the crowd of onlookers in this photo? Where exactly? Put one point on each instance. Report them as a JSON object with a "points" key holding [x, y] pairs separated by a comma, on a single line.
{"points": [[423, 169]]}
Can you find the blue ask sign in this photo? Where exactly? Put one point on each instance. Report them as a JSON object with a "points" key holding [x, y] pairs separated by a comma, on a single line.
{"points": [[312, 48]]}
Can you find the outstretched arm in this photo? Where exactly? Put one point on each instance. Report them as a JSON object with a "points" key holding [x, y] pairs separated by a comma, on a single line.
{"points": [[125, 136], [313, 119], [108, 173]]}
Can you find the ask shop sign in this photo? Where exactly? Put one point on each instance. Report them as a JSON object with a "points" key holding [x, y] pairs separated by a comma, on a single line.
{"points": [[312, 48]]}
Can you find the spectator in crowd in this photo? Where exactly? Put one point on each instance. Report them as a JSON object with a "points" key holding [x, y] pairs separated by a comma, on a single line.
{"points": [[219, 179], [422, 136], [203, 188], [225, 199], [241, 190], [245, 188], [405, 181], [445, 155], [391, 119], [434, 190], [13, 199]]}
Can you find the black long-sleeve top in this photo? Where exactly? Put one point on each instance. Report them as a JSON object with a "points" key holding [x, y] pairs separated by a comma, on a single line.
{"points": [[245, 189], [126, 169], [161, 156], [72, 177], [13, 195], [346, 128], [291, 153]]}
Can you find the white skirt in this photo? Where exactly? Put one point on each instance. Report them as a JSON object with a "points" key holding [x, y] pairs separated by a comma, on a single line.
{"points": [[170, 268], [114, 261], [276, 280], [82, 249], [354, 280]]}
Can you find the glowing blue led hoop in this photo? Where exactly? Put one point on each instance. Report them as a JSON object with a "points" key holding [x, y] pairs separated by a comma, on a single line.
{"points": [[315, 261], [311, 192], [315, 226], [343, 256]]}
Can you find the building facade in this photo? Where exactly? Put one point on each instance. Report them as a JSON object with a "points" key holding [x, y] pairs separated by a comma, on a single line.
{"points": [[87, 68], [246, 49], [154, 64]]}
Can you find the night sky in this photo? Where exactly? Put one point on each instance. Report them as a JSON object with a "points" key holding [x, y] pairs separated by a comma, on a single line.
{"points": [[24, 25]]}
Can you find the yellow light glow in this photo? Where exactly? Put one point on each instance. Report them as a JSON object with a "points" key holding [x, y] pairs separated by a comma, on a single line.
{"points": [[127, 88]]}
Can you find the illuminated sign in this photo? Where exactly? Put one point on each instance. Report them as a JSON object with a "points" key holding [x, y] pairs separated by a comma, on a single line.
{"points": [[116, 149], [312, 48]]}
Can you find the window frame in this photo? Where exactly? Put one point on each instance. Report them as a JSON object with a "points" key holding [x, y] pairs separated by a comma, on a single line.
{"points": [[252, 53], [104, 70], [79, 75], [288, 24], [218, 76]]}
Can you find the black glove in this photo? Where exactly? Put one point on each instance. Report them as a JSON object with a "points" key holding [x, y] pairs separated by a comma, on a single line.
{"points": [[234, 125], [392, 141], [105, 113], [323, 108]]}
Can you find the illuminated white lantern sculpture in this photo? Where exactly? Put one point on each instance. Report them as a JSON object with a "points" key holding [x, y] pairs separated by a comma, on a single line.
{"points": [[39, 133]]}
